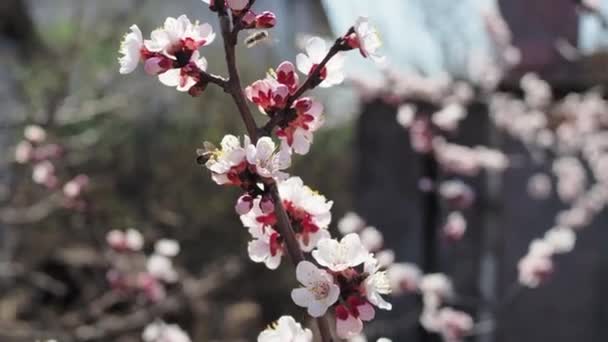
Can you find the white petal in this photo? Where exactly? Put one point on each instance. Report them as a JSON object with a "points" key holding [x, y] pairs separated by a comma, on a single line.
{"points": [[316, 49], [170, 78], [304, 63]]}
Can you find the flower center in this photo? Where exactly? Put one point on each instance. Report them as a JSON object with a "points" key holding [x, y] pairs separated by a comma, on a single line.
{"points": [[320, 290]]}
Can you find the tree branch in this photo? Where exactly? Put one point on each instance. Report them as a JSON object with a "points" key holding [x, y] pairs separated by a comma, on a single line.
{"points": [[235, 89]]}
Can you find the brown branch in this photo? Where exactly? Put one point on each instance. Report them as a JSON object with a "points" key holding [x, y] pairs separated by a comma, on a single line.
{"points": [[235, 89], [218, 80], [233, 85]]}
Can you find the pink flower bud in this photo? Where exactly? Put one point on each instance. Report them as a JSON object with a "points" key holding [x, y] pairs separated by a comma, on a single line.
{"points": [[267, 205], [266, 20], [237, 5], [243, 205], [248, 19], [155, 66]]}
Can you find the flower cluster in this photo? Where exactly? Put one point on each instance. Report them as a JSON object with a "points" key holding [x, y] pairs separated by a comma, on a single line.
{"points": [[308, 211], [160, 331], [44, 157], [172, 53], [351, 282], [132, 271], [282, 215]]}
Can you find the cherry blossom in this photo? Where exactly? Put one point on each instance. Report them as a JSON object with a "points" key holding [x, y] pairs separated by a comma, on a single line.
{"points": [[449, 117], [319, 291], [180, 37], [235, 5], [160, 331], [286, 329], [131, 50], [161, 268], [316, 50], [403, 277], [167, 247], [455, 226], [561, 239], [184, 78], [130, 240], [436, 284], [266, 247], [376, 284], [75, 187], [367, 39], [44, 174], [371, 238], [266, 162], [308, 210], [298, 133], [226, 164], [24, 151], [341, 255], [350, 223], [350, 316], [34, 134]]}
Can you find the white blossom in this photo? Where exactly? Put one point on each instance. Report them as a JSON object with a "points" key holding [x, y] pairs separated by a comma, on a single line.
{"points": [[339, 256], [167, 247], [376, 284], [350, 223], [130, 49], [267, 161], [160, 331], [368, 40], [286, 329], [161, 267], [316, 50], [319, 291]]}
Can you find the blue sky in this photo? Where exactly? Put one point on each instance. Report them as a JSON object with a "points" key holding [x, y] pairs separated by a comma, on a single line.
{"points": [[408, 28]]}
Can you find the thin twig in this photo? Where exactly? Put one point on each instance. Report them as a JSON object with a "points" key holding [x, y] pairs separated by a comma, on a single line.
{"points": [[311, 82]]}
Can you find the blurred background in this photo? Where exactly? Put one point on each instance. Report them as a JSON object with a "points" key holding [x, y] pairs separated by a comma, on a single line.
{"points": [[135, 141]]}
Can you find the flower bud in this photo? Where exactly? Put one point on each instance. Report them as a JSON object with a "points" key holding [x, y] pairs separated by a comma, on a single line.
{"points": [[156, 65], [244, 205], [267, 205], [266, 20]]}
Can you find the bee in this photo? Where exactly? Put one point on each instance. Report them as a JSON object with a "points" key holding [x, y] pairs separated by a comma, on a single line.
{"points": [[256, 38], [205, 153]]}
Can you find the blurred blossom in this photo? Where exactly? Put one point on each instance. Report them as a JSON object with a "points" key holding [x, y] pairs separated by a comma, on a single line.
{"points": [[458, 194], [161, 267], [286, 329], [371, 239], [350, 223], [455, 226], [316, 50], [23, 152], [130, 240], [539, 186], [160, 331], [404, 277], [44, 174], [406, 114], [34, 133], [167, 247], [449, 117]]}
